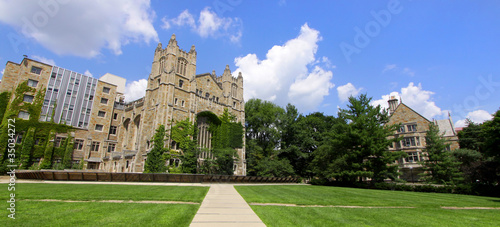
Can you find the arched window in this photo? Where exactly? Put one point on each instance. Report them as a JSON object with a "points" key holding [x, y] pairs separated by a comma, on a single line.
{"points": [[181, 66]]}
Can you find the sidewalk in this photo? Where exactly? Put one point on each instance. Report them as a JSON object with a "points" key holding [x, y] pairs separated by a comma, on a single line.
{"points": [[224, 206]]}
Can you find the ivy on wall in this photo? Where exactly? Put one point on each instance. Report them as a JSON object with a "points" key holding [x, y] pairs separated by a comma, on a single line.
{"points": [[34, 132]]}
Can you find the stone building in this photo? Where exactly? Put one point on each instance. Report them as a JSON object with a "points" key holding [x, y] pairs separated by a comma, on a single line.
{"points": [[115, 136], [413, 130]]}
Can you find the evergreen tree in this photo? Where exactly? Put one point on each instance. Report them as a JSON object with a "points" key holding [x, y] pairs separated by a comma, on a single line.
{"points": [[439, 165], [155, 163], [357, 145], [28, 143], [49, 149], [68, 152]]}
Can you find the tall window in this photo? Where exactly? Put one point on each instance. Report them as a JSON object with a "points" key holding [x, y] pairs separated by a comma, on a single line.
{"points": [[95, 146], [36, 70], [401, 129], [112, 130], [181, 82], [181, 66]]}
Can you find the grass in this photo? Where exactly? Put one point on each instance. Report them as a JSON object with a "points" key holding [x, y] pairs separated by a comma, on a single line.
{"points": [[30, 213], [42, 213], [427, 211], [328, 216], [322, 195], [88, 192]]}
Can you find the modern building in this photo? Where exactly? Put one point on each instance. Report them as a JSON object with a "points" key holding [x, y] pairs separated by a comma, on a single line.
{"points": [[412, 132], [115, 136]]}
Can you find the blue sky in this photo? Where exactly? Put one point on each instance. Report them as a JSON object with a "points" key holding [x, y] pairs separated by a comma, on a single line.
{"points": [[438, 56]]}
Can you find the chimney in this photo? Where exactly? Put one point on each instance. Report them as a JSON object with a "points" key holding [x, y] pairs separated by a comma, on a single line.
{"points": [[393, 104]]}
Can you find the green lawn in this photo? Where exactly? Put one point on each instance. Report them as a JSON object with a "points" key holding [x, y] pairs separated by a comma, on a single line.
{"points": [[110, 192], [323, 195], [427, 211], [41, 213]]}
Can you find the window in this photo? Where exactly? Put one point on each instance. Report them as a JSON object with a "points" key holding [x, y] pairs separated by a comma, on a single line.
{"points": [[115, 116], [106, 90], [412, 157], [234, 104], [32, 83], [409, 142], [99, 127], [207, 95], [53, 75], [181, 82], [24, 115], [58, 141], [111, 147], [71, 107], [36, 70], [19, 138], [101, 113], [77, 81], [412, 128], [28, 98], [181, 66], [104, 101], [91, 98], [182, 103], [175, 101], [88, 111], [112, 130], [95, 146], [401, 129], [158, 82]]}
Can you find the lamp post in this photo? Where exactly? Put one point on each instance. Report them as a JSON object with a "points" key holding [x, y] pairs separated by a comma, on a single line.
{"points": [[411, 173]]}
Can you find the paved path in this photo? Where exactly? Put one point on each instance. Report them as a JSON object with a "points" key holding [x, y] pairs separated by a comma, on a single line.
{"points": [[224, 206]]}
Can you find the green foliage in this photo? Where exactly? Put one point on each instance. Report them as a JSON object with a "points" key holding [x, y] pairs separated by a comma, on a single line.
{"points": [[356, 147], [439, 166], [155, 163], [28, 143], [183, 133], [274, 168], [470, 137], [49, 148], [222, 163], [67, 160], [4, 102]]}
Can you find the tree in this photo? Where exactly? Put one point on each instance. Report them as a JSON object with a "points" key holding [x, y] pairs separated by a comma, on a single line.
{"points": [[49, 149], [68, 152], [183, 133], [439, 165], [28, 143], [357, 145], [491, 147], [470, 163], [155, 162], [471, 136]]}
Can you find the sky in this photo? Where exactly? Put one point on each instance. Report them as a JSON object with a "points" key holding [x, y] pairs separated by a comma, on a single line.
{"points": [[439, 57]]}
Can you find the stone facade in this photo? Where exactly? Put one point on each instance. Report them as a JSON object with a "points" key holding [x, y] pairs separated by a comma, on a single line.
{"points": [[413, 130], [118, 135]]}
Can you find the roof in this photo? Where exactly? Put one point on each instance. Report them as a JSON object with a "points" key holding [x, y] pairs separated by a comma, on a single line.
{"points": [[446, 127]]}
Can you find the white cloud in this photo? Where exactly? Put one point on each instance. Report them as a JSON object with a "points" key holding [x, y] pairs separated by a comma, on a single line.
{"points": [[209, 24], [283, 76], [394, 67], [81, 28], [87, 73], [44, 60], [346, 91], [416, 98], [135, 90], [477, 116], [3, 70], [389, 68]]}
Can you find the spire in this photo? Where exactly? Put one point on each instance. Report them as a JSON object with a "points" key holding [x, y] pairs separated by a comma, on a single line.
{"points": [[193, 49], [159, 47], [172, 40]]}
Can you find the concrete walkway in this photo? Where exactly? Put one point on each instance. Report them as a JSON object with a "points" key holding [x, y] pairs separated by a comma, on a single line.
{"points": [[224, 206]]}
